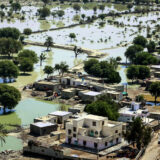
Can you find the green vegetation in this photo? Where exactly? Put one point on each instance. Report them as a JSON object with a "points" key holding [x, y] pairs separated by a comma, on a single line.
{"points": [[61, 68], [16, 6], [27, 31], [135, 72], [44, 12], [140, 40], [31, 55], [104, 107], [48, 43], [9, 96], [42, 58], [138, 133], [2, 134], [72, 36], [8, 70], [48, 70], [9, 33], [154, 90], [103, 69]]}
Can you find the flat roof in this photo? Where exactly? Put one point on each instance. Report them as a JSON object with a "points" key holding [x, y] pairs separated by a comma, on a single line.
{"points": [[47, 82], [43, 124], [60, 113], [94, 117], [92, 93], [45, 117]]}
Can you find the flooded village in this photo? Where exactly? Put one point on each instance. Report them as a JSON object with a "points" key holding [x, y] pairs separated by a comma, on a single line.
{"points": [[79, 80]]}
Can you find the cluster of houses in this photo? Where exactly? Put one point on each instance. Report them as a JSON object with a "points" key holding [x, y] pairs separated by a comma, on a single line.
{"points": [[78, 129]]}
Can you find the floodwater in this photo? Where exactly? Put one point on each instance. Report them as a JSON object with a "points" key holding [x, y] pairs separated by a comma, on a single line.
{"points": [[26, 111]]}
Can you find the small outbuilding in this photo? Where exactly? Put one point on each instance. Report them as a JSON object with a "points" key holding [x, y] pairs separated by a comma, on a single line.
{"points": [[62, 116], [68, 93], [42, 128]]}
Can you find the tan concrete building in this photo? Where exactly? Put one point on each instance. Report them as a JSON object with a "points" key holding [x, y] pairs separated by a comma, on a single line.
{"points": [[94, 132]]}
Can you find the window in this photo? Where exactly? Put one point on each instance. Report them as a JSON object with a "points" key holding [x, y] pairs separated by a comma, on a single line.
{"points": [[116, 131], [119, 134], [69, 131], [117, 140], [102, 123], [106, 143], [95, 145], [84, 143], [94, 123], [74, 129], [74, 135], [96, 132]]}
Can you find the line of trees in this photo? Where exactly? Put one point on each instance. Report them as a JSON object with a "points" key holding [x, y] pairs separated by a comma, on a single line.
{"points": [[103, 69], [61, 68], [136, 55]]}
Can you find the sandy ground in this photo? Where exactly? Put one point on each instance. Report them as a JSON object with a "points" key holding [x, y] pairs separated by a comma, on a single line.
{"points": [[153, 150]]}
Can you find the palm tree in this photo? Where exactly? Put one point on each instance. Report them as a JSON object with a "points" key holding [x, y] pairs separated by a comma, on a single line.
{"points": [[42, 58], [2, 134], [57, 68], [113, 62], [48, 43], [63, 67]]}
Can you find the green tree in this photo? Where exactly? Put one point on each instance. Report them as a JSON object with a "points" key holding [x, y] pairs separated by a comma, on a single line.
{"points": [[48, 70], [145, 58], [83, 16], [132, 72], [26, 65], [140, 40], [42, 57], [48, 43], [144, 72], [9, 33], [102, 7], [104, 107], [118, 59], [63, 68], [2, 6], [60, 13], [27, 31], [3, 134], [102, 16], [77, 7], [16, 6], [9, 96], [57, 68], [154, 90], [9, 46], [88, 64], [28, 54], [151, 46], [95, 9], [44, 12], [8, 69], [72, 36], [132, 51], [138, 133]]}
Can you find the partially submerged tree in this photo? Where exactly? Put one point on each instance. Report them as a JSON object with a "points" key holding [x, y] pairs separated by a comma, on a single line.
{"points": [[16, 6], [3, 134], [77, 7], [27, 31], [61, 68], [72, 36], [77, 51], [42, 57], [8, 70], [44, 12], [9, 96], [140, 40], [48, 43]]}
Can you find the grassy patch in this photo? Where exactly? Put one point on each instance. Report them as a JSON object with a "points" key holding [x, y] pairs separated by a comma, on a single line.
{"points": [[44, 24], [60, 24], [10, 119], [120, 7]]}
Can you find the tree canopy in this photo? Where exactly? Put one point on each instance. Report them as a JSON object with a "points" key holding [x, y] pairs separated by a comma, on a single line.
{"points": [[16, 6], [9, 32], [44, 12], [49, 42], [28, 54], [138, 133], [154, 90], [27, 31], [104, 106], [48, 70], [26, 65], [9, 96], [61, 68], [102, 69], [9, 46], [8, 69], [140, 40]]}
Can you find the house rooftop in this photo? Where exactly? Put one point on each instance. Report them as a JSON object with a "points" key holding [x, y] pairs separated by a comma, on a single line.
{"points": [[47, 82], [92, 93], [43, 124], [44, 118], [94, 117], [60, 113]]}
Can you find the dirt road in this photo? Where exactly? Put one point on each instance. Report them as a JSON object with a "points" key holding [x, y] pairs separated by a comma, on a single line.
{"points": [[153, 150]]}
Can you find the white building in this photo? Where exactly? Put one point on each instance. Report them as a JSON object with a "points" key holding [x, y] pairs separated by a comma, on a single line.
{"points": [[128, 113], [94, 132]]}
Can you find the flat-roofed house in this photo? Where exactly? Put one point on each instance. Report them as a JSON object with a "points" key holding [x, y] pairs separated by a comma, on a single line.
{"points": [[48, 118], [42, 128], [94, 132], [62, 116]]}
